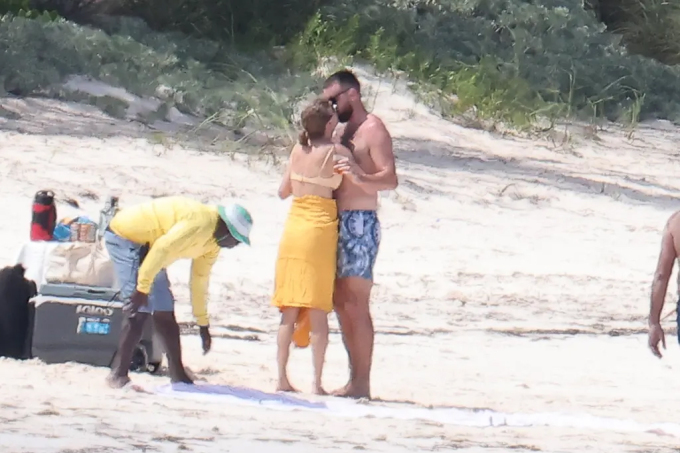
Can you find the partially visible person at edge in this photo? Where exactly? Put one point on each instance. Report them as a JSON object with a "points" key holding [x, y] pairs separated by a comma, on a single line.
{"points": [[372, 170], [306, 262], [670, 251], [145, 239]]}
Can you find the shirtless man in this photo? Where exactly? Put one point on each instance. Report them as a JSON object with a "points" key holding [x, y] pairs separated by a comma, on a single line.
{"points": [[359, 236], [670, 251]]}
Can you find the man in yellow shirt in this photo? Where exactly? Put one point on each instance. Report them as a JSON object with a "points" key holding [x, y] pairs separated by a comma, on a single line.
{"points": [[145, 239]]}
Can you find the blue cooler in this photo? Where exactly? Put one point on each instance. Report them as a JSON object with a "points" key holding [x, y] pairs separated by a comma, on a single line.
{"points": [[73, 323]]}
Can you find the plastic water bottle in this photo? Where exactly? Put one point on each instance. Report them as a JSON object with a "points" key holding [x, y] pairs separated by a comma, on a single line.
{"points": [[44, 216]]}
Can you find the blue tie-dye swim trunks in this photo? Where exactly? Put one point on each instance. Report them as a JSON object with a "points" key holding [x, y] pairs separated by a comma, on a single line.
{"points": [[358, 243]]}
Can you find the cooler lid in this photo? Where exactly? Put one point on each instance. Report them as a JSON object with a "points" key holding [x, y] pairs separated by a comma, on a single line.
{"points": [[79, 292]]}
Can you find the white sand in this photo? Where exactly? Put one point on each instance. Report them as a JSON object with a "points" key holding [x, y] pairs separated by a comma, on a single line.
{"points": [[495, 252]]}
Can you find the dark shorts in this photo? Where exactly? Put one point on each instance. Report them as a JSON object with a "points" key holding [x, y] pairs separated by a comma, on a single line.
{"points": [[127, 257], [358, 243]]}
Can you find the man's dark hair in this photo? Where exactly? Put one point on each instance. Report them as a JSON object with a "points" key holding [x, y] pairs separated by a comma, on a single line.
{"points": [[345, 78]]}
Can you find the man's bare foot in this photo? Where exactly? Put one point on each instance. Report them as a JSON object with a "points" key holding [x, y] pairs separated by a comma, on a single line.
{"points": [[181, 375], [117, 382], [183, 378], [190, 373], [354, 391], [284, 386]]}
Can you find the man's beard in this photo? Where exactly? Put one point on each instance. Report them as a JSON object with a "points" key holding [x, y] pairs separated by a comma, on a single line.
{"points": [[345, 115]]}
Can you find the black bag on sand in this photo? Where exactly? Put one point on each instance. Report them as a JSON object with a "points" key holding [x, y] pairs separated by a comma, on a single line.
{"points": [[15, 292], [72, 323]]}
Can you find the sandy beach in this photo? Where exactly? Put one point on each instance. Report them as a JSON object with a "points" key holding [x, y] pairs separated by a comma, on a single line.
{"points": [[514, 275]]}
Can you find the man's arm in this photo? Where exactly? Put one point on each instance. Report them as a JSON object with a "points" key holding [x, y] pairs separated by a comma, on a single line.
{"points": [[662, 275], [200, 280], [383, 156], [164, 252]]}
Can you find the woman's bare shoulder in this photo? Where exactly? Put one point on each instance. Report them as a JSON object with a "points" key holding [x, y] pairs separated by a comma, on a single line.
{"points": [[295, 152]]}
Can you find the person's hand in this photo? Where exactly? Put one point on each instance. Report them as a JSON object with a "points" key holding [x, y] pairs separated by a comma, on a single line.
{"points": [[656, 335], [206, 339], [137, 301], [348, 167]]}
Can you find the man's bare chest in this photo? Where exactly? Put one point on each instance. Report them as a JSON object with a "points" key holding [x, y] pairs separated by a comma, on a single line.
{"points": [[358, 147]]}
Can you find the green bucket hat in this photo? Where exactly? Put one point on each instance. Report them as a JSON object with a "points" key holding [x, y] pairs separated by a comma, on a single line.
{"points": [[238, 221]]}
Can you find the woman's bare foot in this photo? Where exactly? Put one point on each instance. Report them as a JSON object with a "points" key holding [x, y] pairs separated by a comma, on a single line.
{"points": [[318, 390], [117, 382], [284, 386], [341, 391]]}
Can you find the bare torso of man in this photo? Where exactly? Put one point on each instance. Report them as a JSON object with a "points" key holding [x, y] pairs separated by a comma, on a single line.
{"points": [[673, 229], [670, 246], [350, 196], [669, 253]]}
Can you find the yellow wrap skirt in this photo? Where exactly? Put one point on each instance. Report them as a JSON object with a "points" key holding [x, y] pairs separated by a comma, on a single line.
{"points": [[305, 266]]}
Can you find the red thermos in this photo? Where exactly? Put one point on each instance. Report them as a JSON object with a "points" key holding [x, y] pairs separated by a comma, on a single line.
{"points": [[44, 216]]}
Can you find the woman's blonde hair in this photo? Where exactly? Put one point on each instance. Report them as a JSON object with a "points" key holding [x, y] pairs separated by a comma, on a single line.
{"points": [[314, 119]]}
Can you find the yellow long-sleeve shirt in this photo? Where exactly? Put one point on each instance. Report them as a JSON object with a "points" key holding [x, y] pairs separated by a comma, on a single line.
{"points": [[175, 228]]}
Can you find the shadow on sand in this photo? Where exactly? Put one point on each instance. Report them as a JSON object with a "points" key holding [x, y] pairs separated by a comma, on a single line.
{"points": [[439, 156]]}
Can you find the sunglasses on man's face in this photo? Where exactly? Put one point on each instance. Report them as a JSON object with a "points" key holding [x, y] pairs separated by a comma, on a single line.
{"points": [[334, 100]]}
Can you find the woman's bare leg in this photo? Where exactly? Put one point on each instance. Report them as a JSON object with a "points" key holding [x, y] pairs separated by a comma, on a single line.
{"points": [[288, 317], [319, 340]]}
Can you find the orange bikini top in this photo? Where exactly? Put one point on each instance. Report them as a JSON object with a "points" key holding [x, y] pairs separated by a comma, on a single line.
{"points": [[332, 182]]}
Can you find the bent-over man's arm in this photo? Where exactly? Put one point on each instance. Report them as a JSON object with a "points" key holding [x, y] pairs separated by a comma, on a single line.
{"points": [[382, 154], [200, 280], [164, 252], [662, 275]]}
